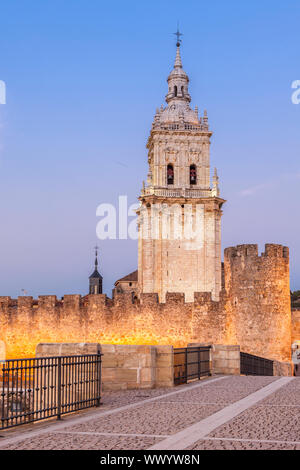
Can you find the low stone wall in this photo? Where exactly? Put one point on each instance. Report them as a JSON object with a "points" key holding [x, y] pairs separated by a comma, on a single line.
{"points": [[131, 367], [164, 366], [124, 367], [226, 360], [283, 369], [127, 367]]}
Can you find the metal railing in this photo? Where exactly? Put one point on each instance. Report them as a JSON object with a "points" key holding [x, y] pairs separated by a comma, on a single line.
{"points": [[191, 363], [255, 365], [41, 388]]}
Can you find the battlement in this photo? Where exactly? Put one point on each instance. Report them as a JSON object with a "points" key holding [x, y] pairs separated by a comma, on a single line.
{"points": [[175, 298], [25, 322], [203, 297], [276, 251], [256, 297], [76, 301], [149, 299], [241, 250], [251, 251]]}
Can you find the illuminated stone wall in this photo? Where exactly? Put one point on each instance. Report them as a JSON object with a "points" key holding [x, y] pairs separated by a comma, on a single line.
{"points": [[259, 290], [96, 318], [295, 325], [253, 311]]}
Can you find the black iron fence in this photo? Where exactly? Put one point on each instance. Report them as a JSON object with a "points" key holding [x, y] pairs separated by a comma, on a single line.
{"points": [[41, 388], [255, 365], [191, 363]]}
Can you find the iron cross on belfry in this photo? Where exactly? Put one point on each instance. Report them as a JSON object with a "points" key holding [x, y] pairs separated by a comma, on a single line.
{"points": [[178, 34]]}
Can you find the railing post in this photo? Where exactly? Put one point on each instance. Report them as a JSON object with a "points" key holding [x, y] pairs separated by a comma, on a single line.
{"points": [[98, 375], [199, 365], [210, 361], [2, 397], [186, 365], [59, 387]]}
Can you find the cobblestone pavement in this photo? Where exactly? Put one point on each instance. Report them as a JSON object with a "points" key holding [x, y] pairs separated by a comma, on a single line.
{"points": [[154, 416]]}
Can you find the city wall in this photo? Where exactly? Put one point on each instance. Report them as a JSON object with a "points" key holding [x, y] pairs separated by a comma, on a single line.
{"points": [[253, 312]]}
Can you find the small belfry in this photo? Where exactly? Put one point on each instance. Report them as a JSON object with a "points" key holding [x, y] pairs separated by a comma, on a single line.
{"points": [[95, 279], [179, 217]]}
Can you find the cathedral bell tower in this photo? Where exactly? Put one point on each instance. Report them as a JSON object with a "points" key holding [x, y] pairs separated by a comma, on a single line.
{"points": [[179, 217]]}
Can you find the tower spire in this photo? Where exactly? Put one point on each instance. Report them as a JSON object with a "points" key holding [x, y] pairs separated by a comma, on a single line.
{"points": [[178, 62], [96, 258], [178, 93], [95, 279]]}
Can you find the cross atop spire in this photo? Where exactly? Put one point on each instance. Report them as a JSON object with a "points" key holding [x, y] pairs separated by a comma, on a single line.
{"points": [[178, 34]]}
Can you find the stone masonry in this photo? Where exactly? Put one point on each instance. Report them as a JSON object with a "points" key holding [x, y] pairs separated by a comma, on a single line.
{"points": [[179, 218], [253, 311], [259, 290]]}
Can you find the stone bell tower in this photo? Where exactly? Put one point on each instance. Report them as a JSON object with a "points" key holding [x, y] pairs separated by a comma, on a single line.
{"points": [[179, 217]]}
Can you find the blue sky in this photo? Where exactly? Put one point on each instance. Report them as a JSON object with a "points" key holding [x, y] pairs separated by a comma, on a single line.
{"points": [[83, 81]]}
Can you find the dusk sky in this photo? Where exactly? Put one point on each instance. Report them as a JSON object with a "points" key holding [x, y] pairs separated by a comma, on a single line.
{"points": [[83, 80]]}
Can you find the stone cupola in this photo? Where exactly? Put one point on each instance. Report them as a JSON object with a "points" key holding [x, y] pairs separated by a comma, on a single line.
{"points": [[178, 82]]}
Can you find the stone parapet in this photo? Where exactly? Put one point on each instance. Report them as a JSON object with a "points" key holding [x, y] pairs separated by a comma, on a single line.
{"points": [[164, 366], [283, 369], [126, 367], [226, 359]]}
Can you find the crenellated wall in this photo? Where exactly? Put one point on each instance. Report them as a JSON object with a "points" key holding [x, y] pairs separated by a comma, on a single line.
{"points": [[253, 311], [26, 322], [259, 291]]}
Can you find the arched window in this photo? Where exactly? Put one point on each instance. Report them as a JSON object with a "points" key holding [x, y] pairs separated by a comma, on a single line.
{"points": [[170, 174], [175, 90], [182, 91], [193, 174]]}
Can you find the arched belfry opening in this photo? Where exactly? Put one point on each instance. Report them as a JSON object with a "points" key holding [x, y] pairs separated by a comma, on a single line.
{"points": [[170, 174], [175, 90], [193, 174]]}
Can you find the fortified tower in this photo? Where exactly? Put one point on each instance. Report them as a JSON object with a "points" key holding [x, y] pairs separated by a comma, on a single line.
{"points": [[180, 212], [258, 288]]}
